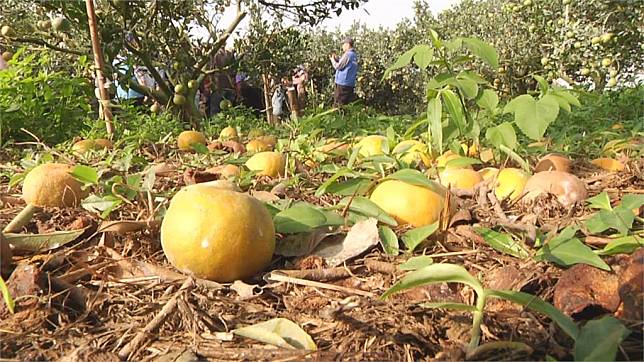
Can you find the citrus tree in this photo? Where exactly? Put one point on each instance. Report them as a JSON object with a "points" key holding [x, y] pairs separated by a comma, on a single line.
{"points": [[153, 34]]}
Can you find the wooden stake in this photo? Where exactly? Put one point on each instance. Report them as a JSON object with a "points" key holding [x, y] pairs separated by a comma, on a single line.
{"points": [[267, 99], [98, 64]]}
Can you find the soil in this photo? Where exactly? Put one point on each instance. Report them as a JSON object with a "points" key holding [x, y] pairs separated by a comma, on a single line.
{"points": [[90, 299]]}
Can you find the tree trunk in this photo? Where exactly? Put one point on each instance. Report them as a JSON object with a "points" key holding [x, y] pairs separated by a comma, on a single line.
{"points": [[98, 63], [293, 102], [267, 100]]}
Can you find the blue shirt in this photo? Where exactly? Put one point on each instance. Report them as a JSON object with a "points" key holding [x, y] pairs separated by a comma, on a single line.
{"points": [[346, 69], [121, 92]]}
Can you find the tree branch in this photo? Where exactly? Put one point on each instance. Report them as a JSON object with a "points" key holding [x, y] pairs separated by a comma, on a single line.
{"points": [[50, 46]]}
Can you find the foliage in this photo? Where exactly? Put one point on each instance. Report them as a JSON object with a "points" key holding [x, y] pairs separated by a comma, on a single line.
{"points": [[50, 104]]}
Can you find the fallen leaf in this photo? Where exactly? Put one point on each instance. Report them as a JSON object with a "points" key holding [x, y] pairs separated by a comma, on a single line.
{"points": [[583, 288], [631, 288], [279, 332], [127, 226], [163, 169], [303, 243], [244, 291], [191, 177], [362, 237], [264, 196], [42, 242]]}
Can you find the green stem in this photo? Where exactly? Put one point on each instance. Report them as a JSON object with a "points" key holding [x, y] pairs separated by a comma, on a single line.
{"points": [[477, 319], [21, 219]]}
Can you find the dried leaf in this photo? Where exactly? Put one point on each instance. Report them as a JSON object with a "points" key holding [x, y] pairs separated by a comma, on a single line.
{"points": [[303, 243], [264, 196], [362, 236], [244, 291], [127, 226], [279, 332]]}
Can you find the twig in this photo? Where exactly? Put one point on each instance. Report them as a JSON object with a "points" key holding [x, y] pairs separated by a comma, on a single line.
{"points": [[318, 274], [277, 277], [156, 322], [497, 206], [381, 266]]}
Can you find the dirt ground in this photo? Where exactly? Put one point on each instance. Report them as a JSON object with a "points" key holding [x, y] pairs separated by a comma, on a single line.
{"points": [[110, 296]]}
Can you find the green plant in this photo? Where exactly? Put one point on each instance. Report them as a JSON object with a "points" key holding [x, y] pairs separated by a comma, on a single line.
{"points": [[50, 104], [586, 338]]}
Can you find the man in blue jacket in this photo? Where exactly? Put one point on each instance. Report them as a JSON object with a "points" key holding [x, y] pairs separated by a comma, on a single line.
{"points": [[346, 72]]}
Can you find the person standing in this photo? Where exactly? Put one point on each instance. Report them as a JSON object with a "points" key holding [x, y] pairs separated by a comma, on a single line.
{"points": [[346, 72], [300, 80]]}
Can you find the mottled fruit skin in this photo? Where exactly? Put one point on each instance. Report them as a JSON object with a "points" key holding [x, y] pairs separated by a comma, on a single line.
{"points": [[217, 234], [460, 178], [510, 182], [52, 185], [255, 146], [229, 171], [553, 162], [188, 138], [84, 146], [411, 151], [372, 146], [409, 204], [267, 163], [229, 133], [270, 140], [567, 187]]}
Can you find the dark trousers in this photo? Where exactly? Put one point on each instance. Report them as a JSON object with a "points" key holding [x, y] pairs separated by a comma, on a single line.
{"points": [[343, 95]]}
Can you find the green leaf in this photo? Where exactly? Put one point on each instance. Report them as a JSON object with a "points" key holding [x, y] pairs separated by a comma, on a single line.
{"points": [[279, 332], [42, 242], [8, 300], [515, 156], [623, 245], [199, 148], [570, 98], [354, 186], [503, 242], [600, 201], [414, 237], [468, 86], [620, 219], [599, 339], [532, 116], [388, 240], [434, 116], [366, 207], [449, 305], [537, 304], [416, 262], [402, 61], [502, 134], [482, 50], [462, 162], [436, 273], [488, 100], [424, 55], [85, 174], [454, 108], [567, 250], [355, 151], [324, 186], [298, 219], [543, 83], [98, 204], [415, 177], [632, 201]]}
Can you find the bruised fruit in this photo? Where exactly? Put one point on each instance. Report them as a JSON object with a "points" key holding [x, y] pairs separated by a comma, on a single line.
{"points": [[565, 186], [553, 162], [373, 146], [267, 163], [411, 151], [409, 204], [460, 178], [187, 138], [228, 133], [255, 146], [217, 234], [608, 164], [52, 185], [510, 182]]}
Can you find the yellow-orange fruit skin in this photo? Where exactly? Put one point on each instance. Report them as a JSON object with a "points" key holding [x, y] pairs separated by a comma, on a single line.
{"points": [[188, 138], [510, 182], [488, 173], [372, 146], [103, 143], [486, 155], [229, 171], [270, 140], [553, 162], [334, 147], [413, 151], [608, 164], [445, 158], [408, 204], [268, 163], [229, 133], [567, 187], [460, 178], [52, 185], [217, 234], [255, 146]]}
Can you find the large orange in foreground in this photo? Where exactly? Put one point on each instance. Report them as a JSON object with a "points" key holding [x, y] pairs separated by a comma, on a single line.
{"points": [[217, 234]]}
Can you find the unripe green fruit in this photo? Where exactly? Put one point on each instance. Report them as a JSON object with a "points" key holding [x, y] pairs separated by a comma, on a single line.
{"points": [[612, 82], [605, 38], [192, 84], [566, 2], [595, 40], [584, 71], [179, 99], [179, 88], [532, 28], [7, 31], [613, 73], [155, 108], [527, 3], [544, 61], [570, 34], [60, 24], [577, 45], [606, 62]]}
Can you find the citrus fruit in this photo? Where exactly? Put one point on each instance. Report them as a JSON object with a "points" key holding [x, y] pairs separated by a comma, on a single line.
{"points": [[267, 163], [510, 182], [52, 185], [187, 138], [409, 204]]}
